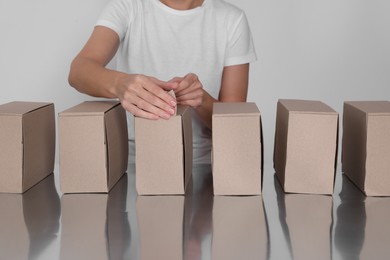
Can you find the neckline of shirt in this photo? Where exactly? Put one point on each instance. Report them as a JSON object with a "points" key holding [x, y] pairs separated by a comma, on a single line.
{"points": [[181, 12]]}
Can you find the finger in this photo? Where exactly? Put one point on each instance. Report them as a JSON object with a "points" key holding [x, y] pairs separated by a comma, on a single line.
{"points": [[192, 95], [135, 111], [193, 99], [162, 84], [176, 79], [187, 81], [173, 85], [191, 102], [151, 108], [150, 101], [195, 87], [136, 103], [157, 96]]}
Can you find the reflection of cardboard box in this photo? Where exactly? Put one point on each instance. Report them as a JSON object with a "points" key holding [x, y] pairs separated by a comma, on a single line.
{"points": [[239, 228], [160, 223], [14, 236], [29, 221], [84, 228], [93, 146], [163, 153], [27, 141], [366, 145], [309, 222], [95, 226], [377, 230], [306, 146], [237, 149]]}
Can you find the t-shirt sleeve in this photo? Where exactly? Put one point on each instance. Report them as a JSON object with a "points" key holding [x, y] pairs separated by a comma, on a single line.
{"points": [[117, 16], [240, 48]]}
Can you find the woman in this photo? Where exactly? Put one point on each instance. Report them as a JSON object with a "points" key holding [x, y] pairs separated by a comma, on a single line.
{"points": [[201, 49]]}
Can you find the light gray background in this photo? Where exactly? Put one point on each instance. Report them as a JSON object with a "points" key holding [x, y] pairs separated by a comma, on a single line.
{"points": [[332, 51]]}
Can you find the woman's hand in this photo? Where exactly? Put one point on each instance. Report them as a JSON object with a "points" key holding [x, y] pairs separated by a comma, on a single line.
{"points": [[145, 96], [188, 90]]}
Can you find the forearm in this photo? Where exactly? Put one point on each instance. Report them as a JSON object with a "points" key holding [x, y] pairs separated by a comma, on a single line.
{"points": [[205, 110], [93, 79]]}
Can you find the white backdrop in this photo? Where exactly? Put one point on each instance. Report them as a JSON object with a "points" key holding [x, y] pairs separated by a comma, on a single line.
{"points": [[332, 51]]}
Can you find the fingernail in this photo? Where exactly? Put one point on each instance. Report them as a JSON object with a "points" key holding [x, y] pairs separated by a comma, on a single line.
{"points": [[171, 111], [173, 103]]}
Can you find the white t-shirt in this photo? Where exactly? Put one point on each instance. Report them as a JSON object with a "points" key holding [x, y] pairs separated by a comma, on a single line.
{"points": [[158, 41]]}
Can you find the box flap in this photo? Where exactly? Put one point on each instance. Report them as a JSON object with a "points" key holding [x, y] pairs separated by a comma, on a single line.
{"points": [[20, 107], [181, 110], [11, 157], [90, 108], [187, 146], [117, 144], [39, 138], [372, 107], [306, 106], [235, 109]]}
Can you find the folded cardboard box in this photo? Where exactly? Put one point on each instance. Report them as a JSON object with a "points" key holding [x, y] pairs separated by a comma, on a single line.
{"points": [[366, 145], [27, 144], [305, 149], [93, 146], [237, 149], [163, 153]]}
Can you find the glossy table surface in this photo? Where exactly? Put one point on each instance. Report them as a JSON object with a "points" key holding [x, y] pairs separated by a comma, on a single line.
{"points": [[45, 224]]}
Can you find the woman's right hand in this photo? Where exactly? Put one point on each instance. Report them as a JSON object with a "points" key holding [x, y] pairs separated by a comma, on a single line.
{"points": [[145, 96]]}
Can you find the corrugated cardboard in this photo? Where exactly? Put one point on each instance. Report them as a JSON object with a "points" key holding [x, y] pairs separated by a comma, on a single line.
{"points": [[93, 146], [237, 149], [160, 223], [27, 144], [163, 153], [305, 149], [366, 145], [240, 228]]}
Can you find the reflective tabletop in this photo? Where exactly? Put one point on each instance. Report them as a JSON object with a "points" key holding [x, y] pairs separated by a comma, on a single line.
{"points": [[43, 223]]}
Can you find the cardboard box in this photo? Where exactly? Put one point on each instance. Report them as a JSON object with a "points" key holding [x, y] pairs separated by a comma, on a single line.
{"points": [[305, 152], [93, 146], [366, 145], [163, 153], [27, 144], [160, 223], [240, 229], [237, 149]]}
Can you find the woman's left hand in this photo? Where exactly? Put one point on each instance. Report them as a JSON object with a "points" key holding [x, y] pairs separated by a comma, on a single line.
{"points": [[189, 90]]}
